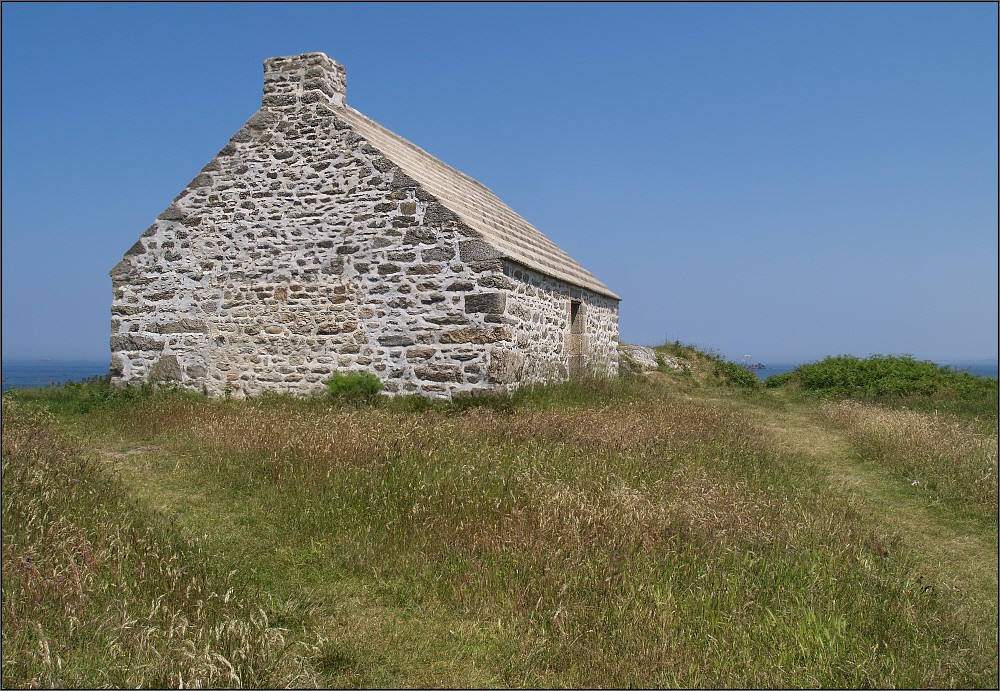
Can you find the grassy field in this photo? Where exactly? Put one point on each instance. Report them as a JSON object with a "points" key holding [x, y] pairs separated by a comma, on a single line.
{"points": [[648, 531]]}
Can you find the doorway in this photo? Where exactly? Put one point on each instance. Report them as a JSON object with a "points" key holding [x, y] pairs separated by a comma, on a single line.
{"points": [[577, 338]]}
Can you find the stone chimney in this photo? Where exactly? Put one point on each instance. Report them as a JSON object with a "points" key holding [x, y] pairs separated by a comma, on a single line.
{"points": [[306, 78]]}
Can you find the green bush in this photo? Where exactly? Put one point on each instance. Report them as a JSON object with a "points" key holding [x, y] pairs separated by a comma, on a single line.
{"points": [[736, 375], [353, 385], [776, 381], [889, 376], [894, 380]]}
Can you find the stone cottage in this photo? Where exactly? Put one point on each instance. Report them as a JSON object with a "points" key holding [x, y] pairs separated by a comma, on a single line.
{"points": [[317, 241]]}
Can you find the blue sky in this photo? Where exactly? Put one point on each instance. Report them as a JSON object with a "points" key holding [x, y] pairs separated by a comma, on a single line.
{"points": [[780, 181]]}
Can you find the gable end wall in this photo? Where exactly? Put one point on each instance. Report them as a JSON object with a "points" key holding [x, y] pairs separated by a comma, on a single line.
{"points": [[300, 250]]}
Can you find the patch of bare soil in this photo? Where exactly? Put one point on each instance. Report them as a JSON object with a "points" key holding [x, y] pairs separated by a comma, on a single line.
{"points": [[123, 454]]}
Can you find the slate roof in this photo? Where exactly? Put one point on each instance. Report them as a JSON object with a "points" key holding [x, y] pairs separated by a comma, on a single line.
{"points": [[477, 206]]}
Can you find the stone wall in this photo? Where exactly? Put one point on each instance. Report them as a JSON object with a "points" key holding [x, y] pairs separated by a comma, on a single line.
{"points": [[538, 309], [300, 249]]}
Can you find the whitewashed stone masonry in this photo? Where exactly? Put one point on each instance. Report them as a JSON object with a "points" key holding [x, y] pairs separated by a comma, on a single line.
{"points": [[301, 249]]}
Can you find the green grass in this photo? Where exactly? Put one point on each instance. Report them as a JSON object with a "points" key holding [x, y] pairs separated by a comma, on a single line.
{"points": [[353, 385], [898, 378], [688, 351], [949, 458], [98, 592], [715, 366], [595, 533]]}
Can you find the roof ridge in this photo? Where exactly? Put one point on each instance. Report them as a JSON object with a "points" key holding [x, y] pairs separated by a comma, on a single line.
{"points": [[516, 238], [418, 149]]}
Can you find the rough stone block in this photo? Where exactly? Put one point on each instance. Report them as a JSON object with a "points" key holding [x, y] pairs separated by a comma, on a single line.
{"points": [[439, 372], [492, 303], [447, 319], [401, 180], [425, 269], [437, 254], [196, 371], [479, 336], [420, 353], [492, 265], [501, 282], [203, 180], [395, 340], [166, 368], [477, 251], [643, 356], [505, 366], [185, 325], [172, 213], [437, 214], [131, 341], [278, 100], [420, 236]]}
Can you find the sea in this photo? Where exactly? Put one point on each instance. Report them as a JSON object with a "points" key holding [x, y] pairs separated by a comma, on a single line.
{"points": [[27, 374], [31, 374]]}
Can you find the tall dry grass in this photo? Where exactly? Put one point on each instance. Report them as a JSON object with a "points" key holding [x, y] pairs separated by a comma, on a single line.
{"points": [[632, 540], [97, 592], [942, 453]]}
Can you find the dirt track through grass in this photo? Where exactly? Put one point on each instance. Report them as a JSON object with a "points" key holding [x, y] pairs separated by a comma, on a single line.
{"points": [[345, 615], [958, 555]]}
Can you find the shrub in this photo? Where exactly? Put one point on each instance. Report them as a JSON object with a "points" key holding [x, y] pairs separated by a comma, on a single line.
{"points": [[353, 385], [776, 381], [890, 376], [736, 375]]}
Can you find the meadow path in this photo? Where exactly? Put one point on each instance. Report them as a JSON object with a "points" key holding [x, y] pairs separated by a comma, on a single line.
{"points": [[957, 555]]}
